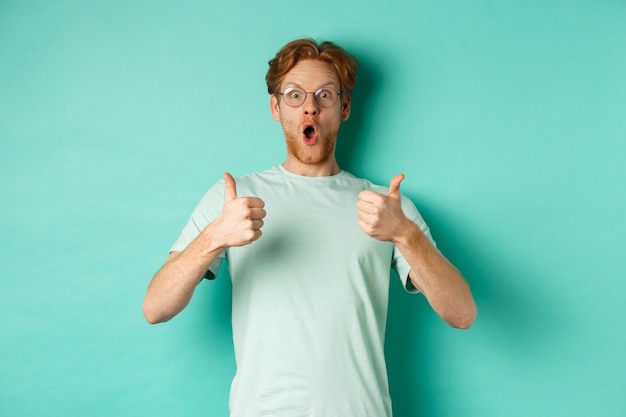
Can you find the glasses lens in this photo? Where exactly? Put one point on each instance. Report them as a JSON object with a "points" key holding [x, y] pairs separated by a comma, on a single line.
{"points": [[294, 96], [326, 97]]}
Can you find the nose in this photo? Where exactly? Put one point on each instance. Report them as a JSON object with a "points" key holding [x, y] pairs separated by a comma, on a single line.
{"points": [[310, 106]]}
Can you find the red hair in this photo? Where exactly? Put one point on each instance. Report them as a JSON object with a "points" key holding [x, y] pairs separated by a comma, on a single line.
{"points": [[344, 64]]}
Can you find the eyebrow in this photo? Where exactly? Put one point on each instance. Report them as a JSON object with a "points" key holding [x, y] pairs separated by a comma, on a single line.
{"points": [[328, 84]]}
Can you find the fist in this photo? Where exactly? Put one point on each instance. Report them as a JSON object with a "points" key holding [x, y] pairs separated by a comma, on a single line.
{"points": [[241, 219], [381, 216]]}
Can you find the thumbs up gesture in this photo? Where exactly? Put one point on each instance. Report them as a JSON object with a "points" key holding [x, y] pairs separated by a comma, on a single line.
{"points": [[381, 216], [241, 219]]}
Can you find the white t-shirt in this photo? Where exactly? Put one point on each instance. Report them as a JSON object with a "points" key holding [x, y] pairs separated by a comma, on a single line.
{"points": [[309, 298]]}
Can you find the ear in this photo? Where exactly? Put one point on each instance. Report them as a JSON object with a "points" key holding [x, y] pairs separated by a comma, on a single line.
{"points": [[275, 107], [345, 110]]}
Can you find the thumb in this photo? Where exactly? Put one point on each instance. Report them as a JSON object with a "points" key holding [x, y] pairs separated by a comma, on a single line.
{"points": [[394, 186], [230, 192]]}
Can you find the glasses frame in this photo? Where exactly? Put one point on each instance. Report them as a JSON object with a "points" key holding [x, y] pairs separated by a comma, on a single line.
{"points": [[315, 95]]}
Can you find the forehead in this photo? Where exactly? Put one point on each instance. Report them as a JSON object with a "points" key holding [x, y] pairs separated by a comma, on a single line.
{"points": [[311, 74]]}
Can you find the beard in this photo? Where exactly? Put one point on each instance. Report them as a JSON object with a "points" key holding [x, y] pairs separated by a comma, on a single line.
{"points": [[322, 151]]}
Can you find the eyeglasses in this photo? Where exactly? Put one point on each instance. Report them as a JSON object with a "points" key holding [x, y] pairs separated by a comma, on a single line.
{"points": [[325, 96]]}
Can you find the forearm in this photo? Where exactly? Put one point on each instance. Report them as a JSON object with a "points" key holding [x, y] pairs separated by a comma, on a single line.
{"points": [[173, 285], [441, 283]]}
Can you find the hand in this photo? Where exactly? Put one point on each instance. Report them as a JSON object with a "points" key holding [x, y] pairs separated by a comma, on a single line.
{"points": [[381, 216], [241, 219]]}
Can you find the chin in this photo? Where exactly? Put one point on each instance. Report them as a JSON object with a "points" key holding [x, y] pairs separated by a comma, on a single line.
{"points": [[311, 155], [320, 153]]}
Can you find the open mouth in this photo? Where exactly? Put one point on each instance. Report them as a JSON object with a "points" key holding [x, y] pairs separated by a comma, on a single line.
{"points": [[309, 132]]}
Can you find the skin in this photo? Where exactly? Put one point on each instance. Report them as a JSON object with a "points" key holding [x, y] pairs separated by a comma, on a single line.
{"points": [[173, 285], [316, 159], [379, 215]]}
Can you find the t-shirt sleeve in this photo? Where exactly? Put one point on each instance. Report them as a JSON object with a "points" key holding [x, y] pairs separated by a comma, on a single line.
{"points": [[207, 210], [399, 263]]}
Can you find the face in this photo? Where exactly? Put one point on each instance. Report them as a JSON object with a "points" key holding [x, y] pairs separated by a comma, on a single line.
{"points": [[310, 129]]}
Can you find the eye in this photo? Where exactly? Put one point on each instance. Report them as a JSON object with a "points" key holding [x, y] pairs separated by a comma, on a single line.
{"points": [[325, 94], [293, 93]]}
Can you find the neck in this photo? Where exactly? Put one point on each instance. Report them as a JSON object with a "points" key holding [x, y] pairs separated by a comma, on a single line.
{"points": [[324, 169]]}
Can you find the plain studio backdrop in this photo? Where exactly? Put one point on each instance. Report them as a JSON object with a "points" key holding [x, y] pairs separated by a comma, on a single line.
{"points": [[507, 118]]}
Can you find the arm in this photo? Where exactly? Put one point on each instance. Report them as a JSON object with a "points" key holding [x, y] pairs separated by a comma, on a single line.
{"points": [[173, 285], [381, 217], [441, 283]]}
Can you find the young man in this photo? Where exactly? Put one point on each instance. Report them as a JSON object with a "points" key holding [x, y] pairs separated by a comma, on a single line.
{"points": [[309, 250]]}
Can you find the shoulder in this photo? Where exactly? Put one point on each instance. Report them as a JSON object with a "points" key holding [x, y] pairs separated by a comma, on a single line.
{"points": [[259, 176], [407, 204], [216, 190], [364, 183], [252, 182]]}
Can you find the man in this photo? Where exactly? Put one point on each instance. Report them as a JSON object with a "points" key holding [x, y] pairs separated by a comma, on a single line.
{"points": [[309, 250]]}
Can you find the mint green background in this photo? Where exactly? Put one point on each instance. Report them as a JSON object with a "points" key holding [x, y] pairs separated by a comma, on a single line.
{"points": [[508, 119]]}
